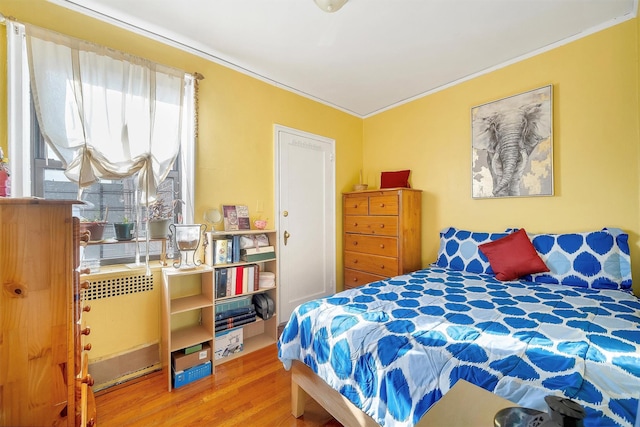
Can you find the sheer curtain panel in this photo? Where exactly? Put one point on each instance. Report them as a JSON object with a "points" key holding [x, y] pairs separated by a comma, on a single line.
{"points": [[105, 113]]}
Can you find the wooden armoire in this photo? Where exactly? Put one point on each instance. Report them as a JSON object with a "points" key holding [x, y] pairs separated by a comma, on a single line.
{"points": [[43, 361]]}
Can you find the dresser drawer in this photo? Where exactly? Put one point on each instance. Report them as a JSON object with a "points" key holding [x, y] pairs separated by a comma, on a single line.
{"points": [[380, 225], [376, 264], [356, 205], [376, 245], [383, 205], [355, 278]]}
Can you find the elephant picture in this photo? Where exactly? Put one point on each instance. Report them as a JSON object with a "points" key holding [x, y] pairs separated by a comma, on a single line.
{"points": [[512, 146]]}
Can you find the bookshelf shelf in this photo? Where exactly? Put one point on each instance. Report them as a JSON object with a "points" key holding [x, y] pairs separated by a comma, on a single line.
{"points": [[180, 305], [187, 337]]}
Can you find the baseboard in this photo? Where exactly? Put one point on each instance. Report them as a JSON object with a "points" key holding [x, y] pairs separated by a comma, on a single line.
{"points": [[115, 370]]}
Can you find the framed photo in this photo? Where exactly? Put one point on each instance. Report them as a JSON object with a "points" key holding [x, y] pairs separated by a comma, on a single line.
{"points": [[512, 146], [230, 216], [243, 217]]}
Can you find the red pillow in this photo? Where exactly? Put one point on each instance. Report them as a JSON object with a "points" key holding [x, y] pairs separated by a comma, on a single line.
{"points": [[395, 179], [513, 256]]}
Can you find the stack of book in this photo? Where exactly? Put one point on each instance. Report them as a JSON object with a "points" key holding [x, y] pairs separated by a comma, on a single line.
{"points": [[261, 253], [238, 280], [235, 317]]}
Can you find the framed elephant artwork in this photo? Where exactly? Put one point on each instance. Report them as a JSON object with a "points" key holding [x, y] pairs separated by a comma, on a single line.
{"points": [[512, 143]]}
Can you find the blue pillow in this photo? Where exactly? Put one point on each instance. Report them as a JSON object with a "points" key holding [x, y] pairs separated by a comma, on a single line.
{"points": [[459, 250], [595, 259]]}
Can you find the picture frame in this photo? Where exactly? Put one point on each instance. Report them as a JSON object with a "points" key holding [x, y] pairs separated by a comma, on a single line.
{"points": [[230, 216], [244, 223], [512, 146]]}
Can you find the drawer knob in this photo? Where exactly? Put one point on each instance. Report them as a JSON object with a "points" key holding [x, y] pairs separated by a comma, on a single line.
{"points": [[85, 271], [381, 246], [382, 205], [355, 243], [86, 331], [86, 308], [381, 225], [88, 380], [355, 224], [355, 261], [355, 206], [85, 285], [87, 347], [382, 267], [355, 279]]}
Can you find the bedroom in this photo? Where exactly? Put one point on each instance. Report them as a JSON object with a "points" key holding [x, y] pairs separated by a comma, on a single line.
{"points": [[596, 142]]}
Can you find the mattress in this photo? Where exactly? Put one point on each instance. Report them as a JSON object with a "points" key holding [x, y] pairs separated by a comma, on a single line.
{"points": [[396, 346]]}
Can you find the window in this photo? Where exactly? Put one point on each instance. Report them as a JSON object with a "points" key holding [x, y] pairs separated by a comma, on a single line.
{"points": [[42, 173]]}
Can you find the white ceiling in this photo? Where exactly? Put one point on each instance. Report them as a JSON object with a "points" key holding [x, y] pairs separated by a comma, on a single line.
{"points": [[370, 55]]}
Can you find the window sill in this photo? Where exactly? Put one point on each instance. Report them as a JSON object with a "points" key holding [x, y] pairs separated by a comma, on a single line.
{"points": [[109, 270]]}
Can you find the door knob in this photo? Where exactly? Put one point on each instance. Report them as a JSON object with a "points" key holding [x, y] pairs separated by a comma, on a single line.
{"points": [[286, 237]]}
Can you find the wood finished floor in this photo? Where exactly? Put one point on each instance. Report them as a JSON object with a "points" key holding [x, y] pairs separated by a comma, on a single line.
{"points": [[253, 390]]}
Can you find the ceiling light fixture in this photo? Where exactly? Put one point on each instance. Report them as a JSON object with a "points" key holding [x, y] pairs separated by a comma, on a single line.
{"points": [[330, 5]]}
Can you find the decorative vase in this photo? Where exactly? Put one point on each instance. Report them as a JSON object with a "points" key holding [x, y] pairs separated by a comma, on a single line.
{"points": [[159, 228], [124, 230], [187, 240]]}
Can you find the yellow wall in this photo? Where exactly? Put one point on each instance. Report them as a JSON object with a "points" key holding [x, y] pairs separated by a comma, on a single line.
{"points": [[235, 152], [596, 143], [596, 146]]}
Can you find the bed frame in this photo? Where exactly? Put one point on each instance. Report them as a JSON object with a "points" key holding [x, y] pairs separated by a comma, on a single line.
{"points": [[304, 382], [480, 406]]}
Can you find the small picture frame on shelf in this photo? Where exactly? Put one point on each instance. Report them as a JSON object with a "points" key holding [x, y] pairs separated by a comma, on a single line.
{"points": [[230, 215], [244, 223]]}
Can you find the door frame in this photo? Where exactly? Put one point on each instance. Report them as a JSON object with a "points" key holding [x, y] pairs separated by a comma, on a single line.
{"points": [[333, 243]]}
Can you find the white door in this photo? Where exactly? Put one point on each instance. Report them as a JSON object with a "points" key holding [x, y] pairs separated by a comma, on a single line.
{"points": [[305, 205]]}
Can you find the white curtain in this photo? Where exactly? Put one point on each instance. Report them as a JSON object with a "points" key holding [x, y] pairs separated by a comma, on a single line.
{"points": [[106, 114]]}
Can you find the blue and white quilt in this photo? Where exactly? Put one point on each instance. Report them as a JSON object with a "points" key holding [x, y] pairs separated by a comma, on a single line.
{"points": [[395, 347]]}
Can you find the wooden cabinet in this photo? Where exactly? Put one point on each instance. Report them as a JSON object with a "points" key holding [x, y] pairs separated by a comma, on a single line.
{"points": [[382, 234], [43, 379]]}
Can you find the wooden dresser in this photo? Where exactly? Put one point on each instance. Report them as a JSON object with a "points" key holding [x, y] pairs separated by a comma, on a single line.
{"points": [[382, 235], [43, 362]]}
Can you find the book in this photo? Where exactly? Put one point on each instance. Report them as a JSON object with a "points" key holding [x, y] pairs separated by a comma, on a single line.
{"points": [[221, 283], [239, 271], [220, 251], [258, 257], [231, 281], [244, 223], [258, 250], [256, 277], [230, 216], [245, 278], [236, 248], [229, 251], [235, 324], [193, 348], [229, 321], [235, 312]]}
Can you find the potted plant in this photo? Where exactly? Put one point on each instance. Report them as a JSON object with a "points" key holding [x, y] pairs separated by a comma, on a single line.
{"points": [[159, 217], [94, 227], [124, 229]]}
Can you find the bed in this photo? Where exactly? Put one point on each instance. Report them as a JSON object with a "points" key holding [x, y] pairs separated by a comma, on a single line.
{"points": [[393, 348]]}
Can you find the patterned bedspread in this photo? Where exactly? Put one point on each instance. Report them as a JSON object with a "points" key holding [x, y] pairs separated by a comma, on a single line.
{"points": [[394, 347]]}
